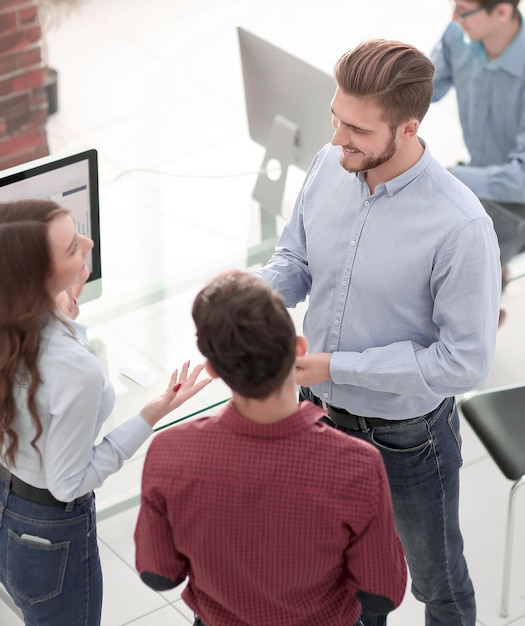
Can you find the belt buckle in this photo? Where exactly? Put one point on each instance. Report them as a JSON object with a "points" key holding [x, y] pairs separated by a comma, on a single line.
{"points": [[342, 417]]}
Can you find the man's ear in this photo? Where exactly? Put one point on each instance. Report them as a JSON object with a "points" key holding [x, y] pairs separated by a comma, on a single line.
{"points": [[504, 11], [208, 367], [301, 347], [409, 129]]}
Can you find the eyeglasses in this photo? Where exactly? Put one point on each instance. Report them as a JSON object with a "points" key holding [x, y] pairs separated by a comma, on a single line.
{"points": [[466, 14]]}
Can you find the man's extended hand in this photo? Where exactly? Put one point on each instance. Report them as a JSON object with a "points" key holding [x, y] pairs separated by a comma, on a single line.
{"points": [[312, 368]]}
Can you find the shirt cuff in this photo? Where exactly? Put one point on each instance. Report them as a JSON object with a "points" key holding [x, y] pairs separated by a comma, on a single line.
{"points": [[130, 435], [343, 367]]}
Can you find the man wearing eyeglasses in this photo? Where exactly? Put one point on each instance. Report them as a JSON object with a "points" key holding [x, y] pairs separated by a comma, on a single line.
{"points": [[482, 55]]}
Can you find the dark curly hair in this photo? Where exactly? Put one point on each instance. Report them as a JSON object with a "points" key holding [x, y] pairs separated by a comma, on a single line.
{"points": [[246, 333]]}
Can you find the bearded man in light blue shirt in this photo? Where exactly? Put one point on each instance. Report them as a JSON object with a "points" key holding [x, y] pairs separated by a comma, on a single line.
{"points": [[401, 266], [482, 55]]}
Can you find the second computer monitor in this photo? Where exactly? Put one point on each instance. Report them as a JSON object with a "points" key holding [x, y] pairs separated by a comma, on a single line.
{"points": [[288, 109]]}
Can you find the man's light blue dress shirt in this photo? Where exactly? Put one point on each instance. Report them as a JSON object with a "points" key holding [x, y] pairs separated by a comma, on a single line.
{"points": [[404, 285], [491, 105]]}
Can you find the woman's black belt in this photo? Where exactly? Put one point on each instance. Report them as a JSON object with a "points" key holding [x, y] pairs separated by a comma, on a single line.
{"points": [[35, 494]]}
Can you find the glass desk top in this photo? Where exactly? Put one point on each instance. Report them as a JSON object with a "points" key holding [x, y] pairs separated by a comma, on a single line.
{"points": [[162, 238]]}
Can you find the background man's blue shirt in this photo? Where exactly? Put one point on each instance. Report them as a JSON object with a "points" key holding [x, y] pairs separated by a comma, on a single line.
{"points": [[491, 105]]}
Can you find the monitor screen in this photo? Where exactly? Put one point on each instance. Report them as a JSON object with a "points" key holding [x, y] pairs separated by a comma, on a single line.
{"points": [[288, 109], [72, 182]]}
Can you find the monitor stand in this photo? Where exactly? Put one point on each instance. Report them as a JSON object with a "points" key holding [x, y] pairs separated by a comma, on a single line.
{"points": [[269, 188]]}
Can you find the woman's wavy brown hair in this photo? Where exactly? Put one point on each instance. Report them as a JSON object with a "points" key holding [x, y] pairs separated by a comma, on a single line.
{"points": [[25, 306]]}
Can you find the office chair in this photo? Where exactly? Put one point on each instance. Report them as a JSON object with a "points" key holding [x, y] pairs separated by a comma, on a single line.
{"points": [[497, 416]]}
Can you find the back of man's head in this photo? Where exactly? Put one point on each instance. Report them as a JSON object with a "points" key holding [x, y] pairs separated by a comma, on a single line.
{"points": [[396, 75], [246, 333]]}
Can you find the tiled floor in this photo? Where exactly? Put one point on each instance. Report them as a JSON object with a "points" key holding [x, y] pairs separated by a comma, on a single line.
{"points": [[157, 85]]}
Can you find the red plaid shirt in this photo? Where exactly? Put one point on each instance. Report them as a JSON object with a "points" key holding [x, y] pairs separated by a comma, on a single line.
{"points": [[274, 524]]}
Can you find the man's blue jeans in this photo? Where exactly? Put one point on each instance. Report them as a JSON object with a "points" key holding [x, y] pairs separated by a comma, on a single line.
{"points": [[422, 460], [57, 581]]}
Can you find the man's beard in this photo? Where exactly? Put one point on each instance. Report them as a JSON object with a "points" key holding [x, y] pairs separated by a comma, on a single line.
{"points": [[372, 162]]}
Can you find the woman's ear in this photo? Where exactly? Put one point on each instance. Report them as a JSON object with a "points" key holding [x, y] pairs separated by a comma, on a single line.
{"points": [[208, 367], [301, 347]]}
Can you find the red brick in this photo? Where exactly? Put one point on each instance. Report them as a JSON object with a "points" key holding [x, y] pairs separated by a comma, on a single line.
{"points": [[15, 108], [30, 57], [18, 4], [40, 151], [4, 87], [23, 157], [34, 33], [23, 121], [28, 15], [19, 39], [23, 105], [28, 80], [12, 41], [23, 142], [12, 102], [8, 21], [35, 119], [8, 63], [38, 98], [20, 60]]}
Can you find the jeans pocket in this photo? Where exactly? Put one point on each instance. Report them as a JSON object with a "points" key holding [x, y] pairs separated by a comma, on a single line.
{"points": [[35, 570], [403, 440]]}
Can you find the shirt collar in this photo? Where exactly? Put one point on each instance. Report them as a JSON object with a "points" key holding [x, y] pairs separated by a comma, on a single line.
{"points": [[512, 59], [395, 185], [76, 330], [306, 415]]}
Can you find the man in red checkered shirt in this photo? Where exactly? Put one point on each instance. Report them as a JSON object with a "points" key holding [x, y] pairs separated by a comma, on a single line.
{"points": [[273, 517]]}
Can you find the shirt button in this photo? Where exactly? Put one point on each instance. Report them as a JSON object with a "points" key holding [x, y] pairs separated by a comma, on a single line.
{"points": [[390, 194], [344, 283], [352, 243], [325, 394], [336, 322], [366, 203]]}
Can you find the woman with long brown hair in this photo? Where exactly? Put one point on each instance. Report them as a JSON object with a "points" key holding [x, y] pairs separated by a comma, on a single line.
{"points": [[54, 400]]}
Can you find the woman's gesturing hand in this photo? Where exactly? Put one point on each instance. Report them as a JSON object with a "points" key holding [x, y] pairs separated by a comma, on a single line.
{"points": [[180, 389]]}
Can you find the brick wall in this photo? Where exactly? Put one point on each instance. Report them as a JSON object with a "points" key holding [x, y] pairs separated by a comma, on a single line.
{"points": [[23, 96]]}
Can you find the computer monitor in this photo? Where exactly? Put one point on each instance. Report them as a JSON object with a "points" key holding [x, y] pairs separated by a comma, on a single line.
{"points": [[72, 182], [288, 108]]}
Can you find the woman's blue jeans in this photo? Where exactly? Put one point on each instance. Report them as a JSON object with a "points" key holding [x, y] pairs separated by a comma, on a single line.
{"points": [[422, 460], [56, 581]]}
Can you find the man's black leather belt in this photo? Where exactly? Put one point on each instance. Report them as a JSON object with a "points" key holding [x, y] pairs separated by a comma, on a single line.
{"points": [[342, 417], [35, 494]]}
